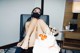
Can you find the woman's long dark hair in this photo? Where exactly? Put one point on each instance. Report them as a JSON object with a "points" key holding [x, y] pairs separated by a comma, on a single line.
{"points": [[34, 9]]}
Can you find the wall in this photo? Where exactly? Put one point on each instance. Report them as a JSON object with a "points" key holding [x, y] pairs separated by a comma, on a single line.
{"points": [[10, 11], [55, 9], [37, 3]]}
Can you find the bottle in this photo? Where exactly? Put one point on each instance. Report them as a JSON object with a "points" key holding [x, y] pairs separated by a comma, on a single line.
{"points": [[67, 27]]}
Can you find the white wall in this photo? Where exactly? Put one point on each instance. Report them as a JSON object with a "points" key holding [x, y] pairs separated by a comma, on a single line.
{"points": [[55, 9], [10, 11], [37, 3]]}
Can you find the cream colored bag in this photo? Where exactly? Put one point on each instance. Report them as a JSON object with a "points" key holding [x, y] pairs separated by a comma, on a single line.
{"points": [[46, 43]]}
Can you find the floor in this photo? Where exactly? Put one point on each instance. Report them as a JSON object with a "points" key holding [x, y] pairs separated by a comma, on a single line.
{"points": [[13, 49]]}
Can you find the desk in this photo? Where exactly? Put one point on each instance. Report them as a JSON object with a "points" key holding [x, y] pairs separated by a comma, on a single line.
{"points": [[71, 40], [72, 35]]}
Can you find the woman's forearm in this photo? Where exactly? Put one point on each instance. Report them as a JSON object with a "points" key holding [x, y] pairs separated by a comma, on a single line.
{"points": [[30, 28], [44, 26]]}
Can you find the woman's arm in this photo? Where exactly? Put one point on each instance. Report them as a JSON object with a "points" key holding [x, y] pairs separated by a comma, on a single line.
{"points": [[44, 26], [31, 26], [29, 31], [27, 26]]}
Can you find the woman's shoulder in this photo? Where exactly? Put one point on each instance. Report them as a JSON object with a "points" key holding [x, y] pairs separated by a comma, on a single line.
{"points": [[28, 22]]}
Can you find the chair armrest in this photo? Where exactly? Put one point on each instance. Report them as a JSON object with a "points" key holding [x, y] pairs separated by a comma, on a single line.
{"points": [[8, 46]]}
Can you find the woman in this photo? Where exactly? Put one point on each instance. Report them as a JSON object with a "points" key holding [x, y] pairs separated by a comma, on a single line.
{"points": [[30, 27], [33, 28]]}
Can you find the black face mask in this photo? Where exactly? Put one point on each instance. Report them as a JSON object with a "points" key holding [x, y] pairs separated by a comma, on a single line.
{"points": [[36, 15]]}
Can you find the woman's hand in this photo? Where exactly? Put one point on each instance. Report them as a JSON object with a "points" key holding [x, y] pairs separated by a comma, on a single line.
{"points": [[20, 43]]}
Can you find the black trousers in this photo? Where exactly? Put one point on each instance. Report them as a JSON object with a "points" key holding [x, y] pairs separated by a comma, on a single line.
{"points": [[29, 50]]}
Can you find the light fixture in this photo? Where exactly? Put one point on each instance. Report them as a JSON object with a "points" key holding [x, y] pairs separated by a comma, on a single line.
{"points": [[76, 6]]}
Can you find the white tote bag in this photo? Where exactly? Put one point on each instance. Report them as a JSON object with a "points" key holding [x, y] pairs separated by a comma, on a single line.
{"points": [[46, 43]]}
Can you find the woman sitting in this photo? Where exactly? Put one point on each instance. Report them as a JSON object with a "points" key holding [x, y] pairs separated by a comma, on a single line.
{"points": [[33, 29]]}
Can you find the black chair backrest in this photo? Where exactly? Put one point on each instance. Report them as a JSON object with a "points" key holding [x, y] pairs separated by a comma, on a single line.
{"points": [[23, 19]]}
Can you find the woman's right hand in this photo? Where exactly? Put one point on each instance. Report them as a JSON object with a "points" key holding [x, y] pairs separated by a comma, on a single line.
{"points": [[19, 44]]}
